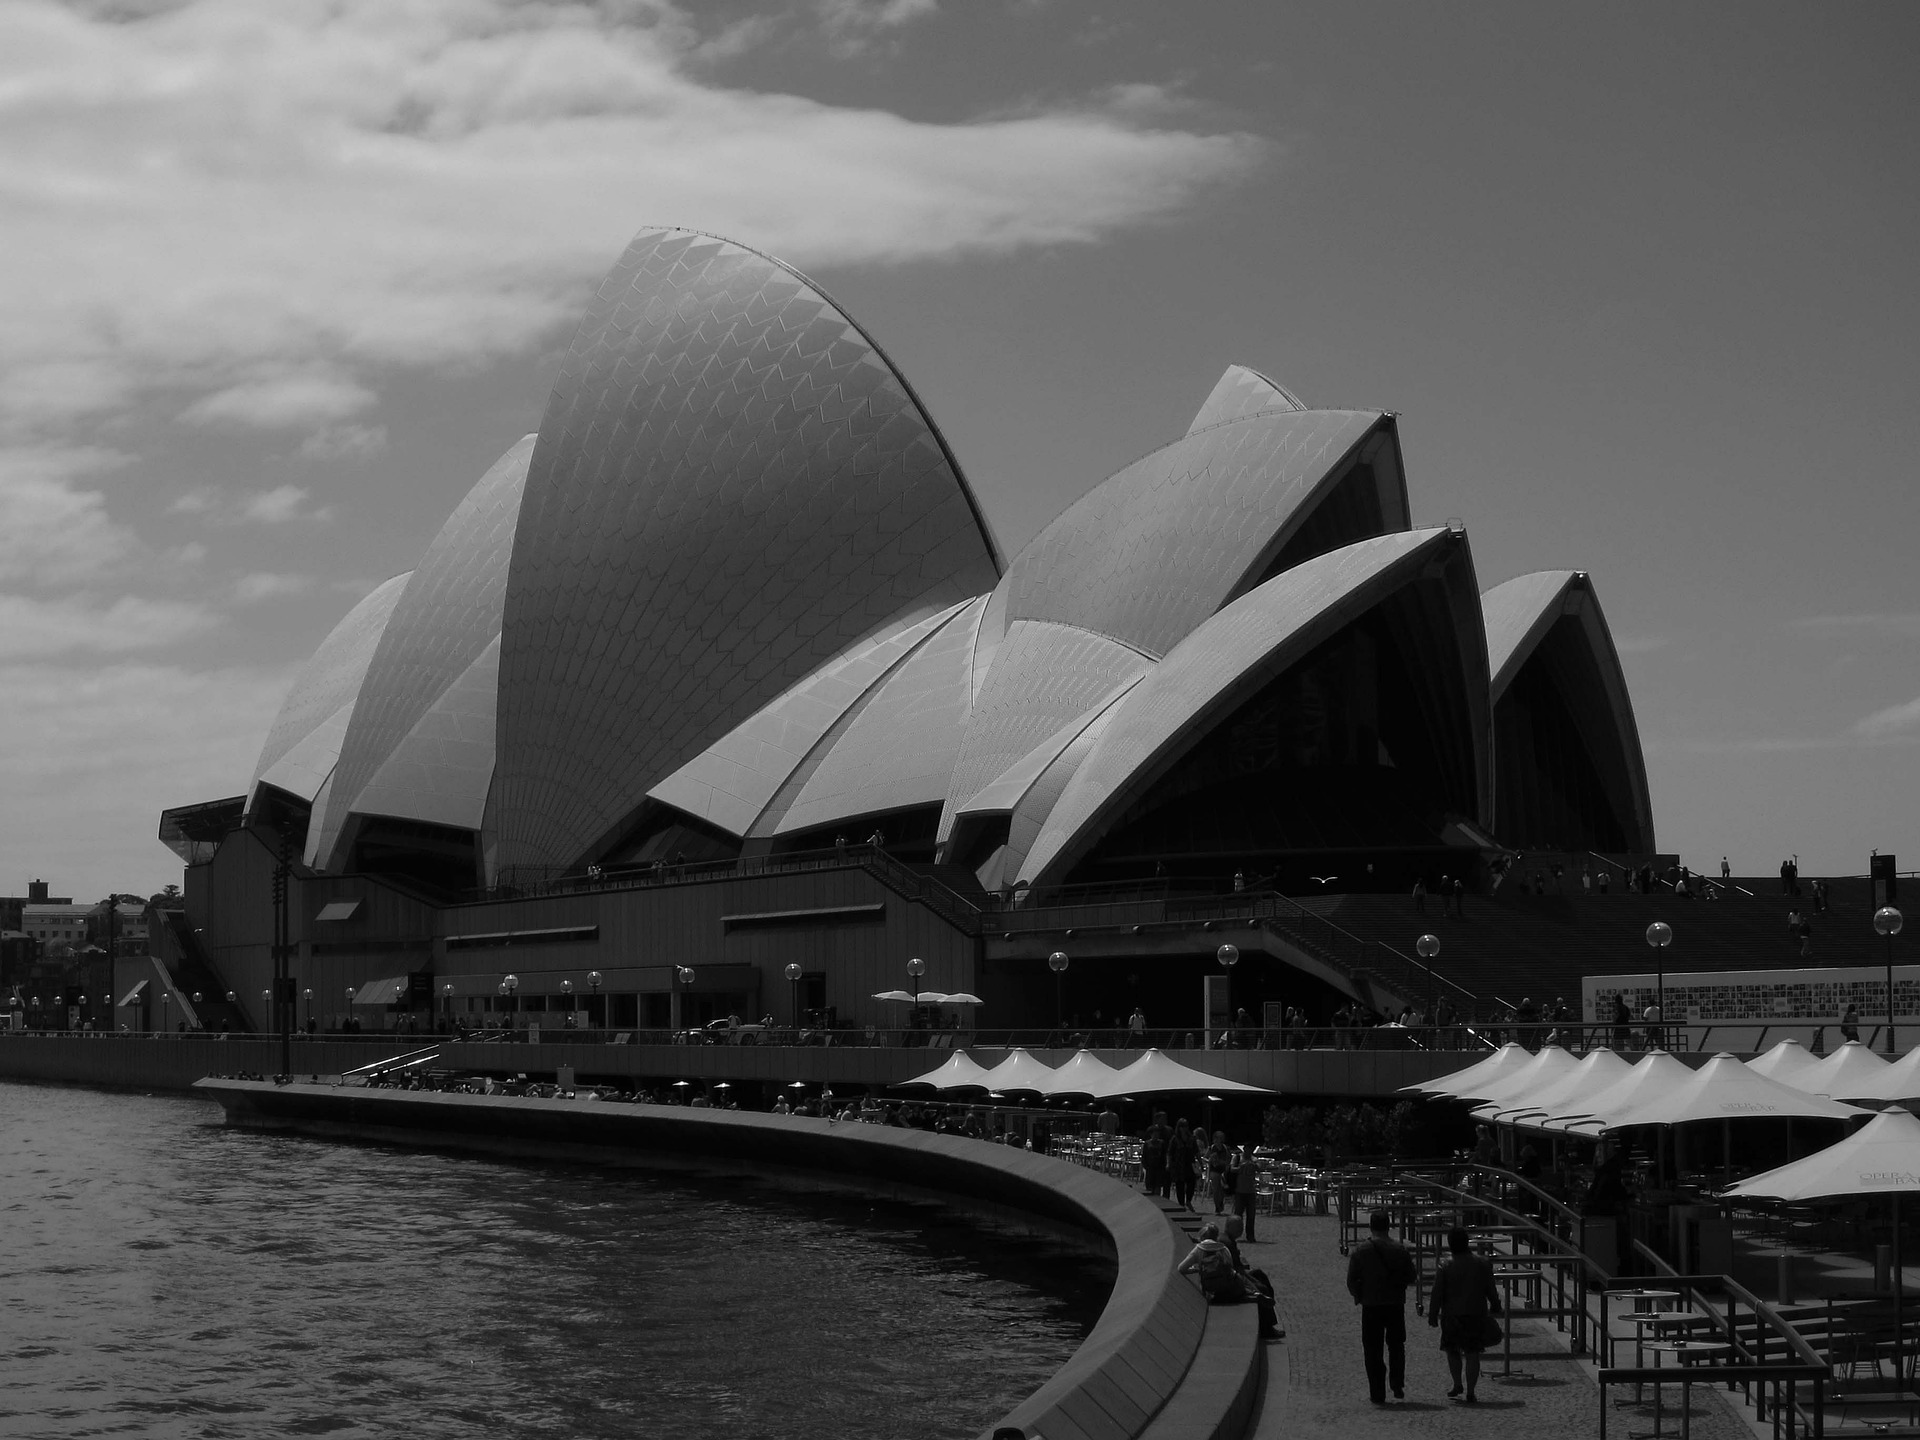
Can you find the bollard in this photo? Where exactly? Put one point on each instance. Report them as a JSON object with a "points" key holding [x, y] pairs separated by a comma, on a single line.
{"points": [[1783, 1280]]}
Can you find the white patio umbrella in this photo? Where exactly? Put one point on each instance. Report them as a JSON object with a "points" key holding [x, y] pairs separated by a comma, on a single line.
{"points": [[1019, 1071], [1550, 1065], [1851, 1070], [1156, 1074], [901, 995], [1596, 1070], [1898, 1081], [1785, 1062], [960, 1072], [1725, 1089], [1587, 1116], [1503, 1061], [931, 997], [961, 997], [1085, 1074], [1882, 1157]]}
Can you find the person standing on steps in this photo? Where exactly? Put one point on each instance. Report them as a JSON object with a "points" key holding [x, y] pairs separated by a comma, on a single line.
{"points": [[1378, 1274]]}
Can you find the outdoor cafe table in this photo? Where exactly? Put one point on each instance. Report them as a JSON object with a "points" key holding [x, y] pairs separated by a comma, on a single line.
{"points": [[1682, 1351]]}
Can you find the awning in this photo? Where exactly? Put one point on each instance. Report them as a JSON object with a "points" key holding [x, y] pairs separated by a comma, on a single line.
{"points": [[382, 992], [337, 910], [132, 997]]}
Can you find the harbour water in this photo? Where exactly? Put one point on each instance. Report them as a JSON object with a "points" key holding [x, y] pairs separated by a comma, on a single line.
{"points": [[168, 1277]]}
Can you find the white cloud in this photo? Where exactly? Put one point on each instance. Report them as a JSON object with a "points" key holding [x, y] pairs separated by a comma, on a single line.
{"points": [[266, 586], [94, 755], [254, 207], [344, 442], [280, 505], [276, 402], [45, 629], [852, 26], [1894, 720], [51, 530]]}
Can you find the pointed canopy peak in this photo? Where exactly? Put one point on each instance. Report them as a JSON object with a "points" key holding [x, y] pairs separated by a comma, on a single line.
{"points": [[1243, 392], [1881, 1157]]}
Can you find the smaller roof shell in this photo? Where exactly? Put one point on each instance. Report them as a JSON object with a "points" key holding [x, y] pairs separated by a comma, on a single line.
{"points": [[1243, 391], [1255, 639]]}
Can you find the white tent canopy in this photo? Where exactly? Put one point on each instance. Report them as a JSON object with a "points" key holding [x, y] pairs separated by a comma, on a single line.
{"points": [[1882, 1157], [1725, 1089], [1785, 1062], [1896, 1082], [1849, 1071], [1654, 1073], [1085, 1074], [1156, 1074], [1019, 1071], [961, 1072], [1595, 1071], [1472, 1081], [1551, 1065]]}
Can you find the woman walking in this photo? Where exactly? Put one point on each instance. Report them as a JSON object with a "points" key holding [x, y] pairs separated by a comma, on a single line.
{"points": [[1182, 1154], [1219, 1161], [1464, 1302]]}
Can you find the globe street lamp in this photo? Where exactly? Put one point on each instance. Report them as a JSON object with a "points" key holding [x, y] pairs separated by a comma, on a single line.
{"points": [[511, 984], [916, 967], [447, 991], [1660, 936], [307, 995], [593, 1000], [347, 1023], [1057, 962], [1888, 921], [793, 972], [1428, 946], [566, 989]]}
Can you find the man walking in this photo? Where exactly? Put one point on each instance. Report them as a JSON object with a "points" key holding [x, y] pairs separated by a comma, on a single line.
{"points": [[1378, 1274]]}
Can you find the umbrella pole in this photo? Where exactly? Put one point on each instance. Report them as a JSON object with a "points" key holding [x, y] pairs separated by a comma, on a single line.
{"points": [[1726, 1153], [1899, 1373]]}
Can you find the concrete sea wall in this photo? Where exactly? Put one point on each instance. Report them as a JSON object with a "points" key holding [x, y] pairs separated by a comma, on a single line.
{"points": [[1122, 1376]]}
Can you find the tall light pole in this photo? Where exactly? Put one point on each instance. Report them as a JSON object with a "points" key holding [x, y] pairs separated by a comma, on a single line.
{"points": [[916, 967], [1057, 962], [308, 994], [446, 991], [682, 977], [793, 972], [511, 984], [1228, 956], [1428, 946], [1888, 921], [1660, 936], [593, 1000], [566, 989], [347, 1024]]}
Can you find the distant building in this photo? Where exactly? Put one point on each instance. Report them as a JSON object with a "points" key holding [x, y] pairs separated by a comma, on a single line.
{"points": [[56, 926]]}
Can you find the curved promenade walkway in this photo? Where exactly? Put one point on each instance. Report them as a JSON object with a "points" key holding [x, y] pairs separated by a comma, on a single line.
{"points": [[1317, 1387]]}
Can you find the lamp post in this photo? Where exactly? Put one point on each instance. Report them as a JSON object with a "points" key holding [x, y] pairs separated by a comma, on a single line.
{"points": [[1057, 962], [682, 977], [1888, 921], [793, 972], [347, 1023], [307, 995], [446, 991], [1660, 936], [511, 984], [916, 967], [599, 1021], [1428, 946], [165, 1001], [566, 989], [1228, 956]]}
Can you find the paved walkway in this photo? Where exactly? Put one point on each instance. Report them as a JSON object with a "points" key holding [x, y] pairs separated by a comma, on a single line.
{"points": [[1318, 1387]]}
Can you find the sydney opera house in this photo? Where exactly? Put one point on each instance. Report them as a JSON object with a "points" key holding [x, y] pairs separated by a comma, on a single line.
{"points": [[733, 615]]}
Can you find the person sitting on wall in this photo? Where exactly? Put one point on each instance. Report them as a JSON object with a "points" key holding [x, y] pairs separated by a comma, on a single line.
{"points": [[1223, 1282]]}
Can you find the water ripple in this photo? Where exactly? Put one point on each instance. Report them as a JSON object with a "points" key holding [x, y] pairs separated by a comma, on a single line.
{"points": [[173, 1278]]}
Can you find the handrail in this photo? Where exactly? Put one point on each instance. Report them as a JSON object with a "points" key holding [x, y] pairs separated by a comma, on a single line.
{"points": [[393, 1062]]}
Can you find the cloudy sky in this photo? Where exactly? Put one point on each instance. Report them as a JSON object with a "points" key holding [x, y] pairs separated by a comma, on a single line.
{"points": [[278, 283]]}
